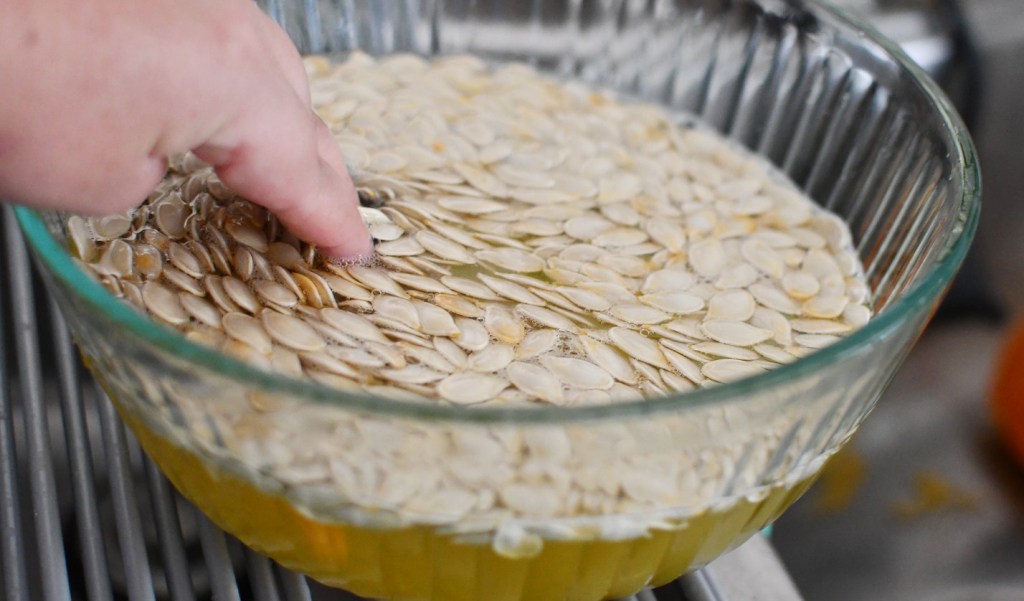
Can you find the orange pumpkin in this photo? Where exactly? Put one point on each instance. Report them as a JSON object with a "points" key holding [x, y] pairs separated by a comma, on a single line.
{"points": [[1007, 400]]}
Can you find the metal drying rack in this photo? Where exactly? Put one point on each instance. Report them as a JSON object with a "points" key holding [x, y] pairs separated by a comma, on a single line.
{"points": [[85, 515]]}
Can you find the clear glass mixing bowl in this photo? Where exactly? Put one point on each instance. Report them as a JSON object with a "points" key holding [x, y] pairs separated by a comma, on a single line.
{"points": [[840, 110]]}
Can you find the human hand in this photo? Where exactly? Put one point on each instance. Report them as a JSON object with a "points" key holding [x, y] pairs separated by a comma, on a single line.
{"points": [[95, 96]]}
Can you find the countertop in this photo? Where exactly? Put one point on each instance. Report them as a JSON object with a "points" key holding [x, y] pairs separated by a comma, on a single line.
{"points": [[924, 504]]}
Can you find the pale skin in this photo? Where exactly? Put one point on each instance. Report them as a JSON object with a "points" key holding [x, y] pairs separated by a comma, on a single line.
{"points": [[94, 96]]}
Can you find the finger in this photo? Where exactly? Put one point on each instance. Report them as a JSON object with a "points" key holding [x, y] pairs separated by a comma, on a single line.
{"points": [[330, 154], [271, 154], [287, 56]]}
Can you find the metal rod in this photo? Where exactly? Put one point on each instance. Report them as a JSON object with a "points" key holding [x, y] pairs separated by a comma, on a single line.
{"points": [[52, 566], [11, 550], [126, 508], [179, 582], [294, 585], [261, 576], [218, 562], [90, 533], [697, 587]]}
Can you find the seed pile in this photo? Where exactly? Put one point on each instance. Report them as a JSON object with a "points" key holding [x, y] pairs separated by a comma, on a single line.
{"points": [[537, 242]]}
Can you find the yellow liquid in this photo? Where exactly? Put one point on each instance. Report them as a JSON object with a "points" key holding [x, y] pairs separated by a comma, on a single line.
{"points": [[419, 564]]}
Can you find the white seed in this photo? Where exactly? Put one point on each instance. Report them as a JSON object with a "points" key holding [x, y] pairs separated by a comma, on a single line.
{"points": [[83, 243], [681, 303], [420, 282], [458, 305], [434, 320], [183, 259], [385, 232], [670, 235], [638, 346], [199, 308], [668, 280], [512, 260], [618, 188], [386, 162], [515, 176], [774, 353], [346, 289], [468, 287], [820, 264], [536, 342], [735, 332], [639, 314], [215, 290], [170, 218], [740, 275], [725, 351], [352, 324], [577, 373], [118, 260], [357, 357], [684, 365], [405, 246], [273, 292], [482, 180], [494, 357], [470, 205], [587, 227], [496, 151], [411, 374], [284, 255], [856, 315], [545, 317], [763, 257], [800, 285], [247, 329], [376, 279], [609, 359], [474, 336], [245, 233], [163, 304], [826, 307], [772, 320], [623, 213], [450, 351], [470, 388], [707, 257], [585, 299], [819, 326], [619, 236], [626, 265], [399, 309], [444, 248], [536, 381], [731, 305], [773, 298], [815, 341], [511, 290], [427, 356], [291, 331], [729, 370], [110, 226]]}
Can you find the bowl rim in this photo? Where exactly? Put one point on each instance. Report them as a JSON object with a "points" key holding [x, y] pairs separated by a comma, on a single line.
{"points": [[915, 301]]}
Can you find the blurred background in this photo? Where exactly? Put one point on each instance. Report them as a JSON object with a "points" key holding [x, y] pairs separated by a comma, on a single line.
{"points": [[926, 503]]}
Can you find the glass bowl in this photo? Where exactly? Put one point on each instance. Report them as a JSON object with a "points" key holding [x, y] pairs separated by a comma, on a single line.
{"points": [[342, 486]]}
